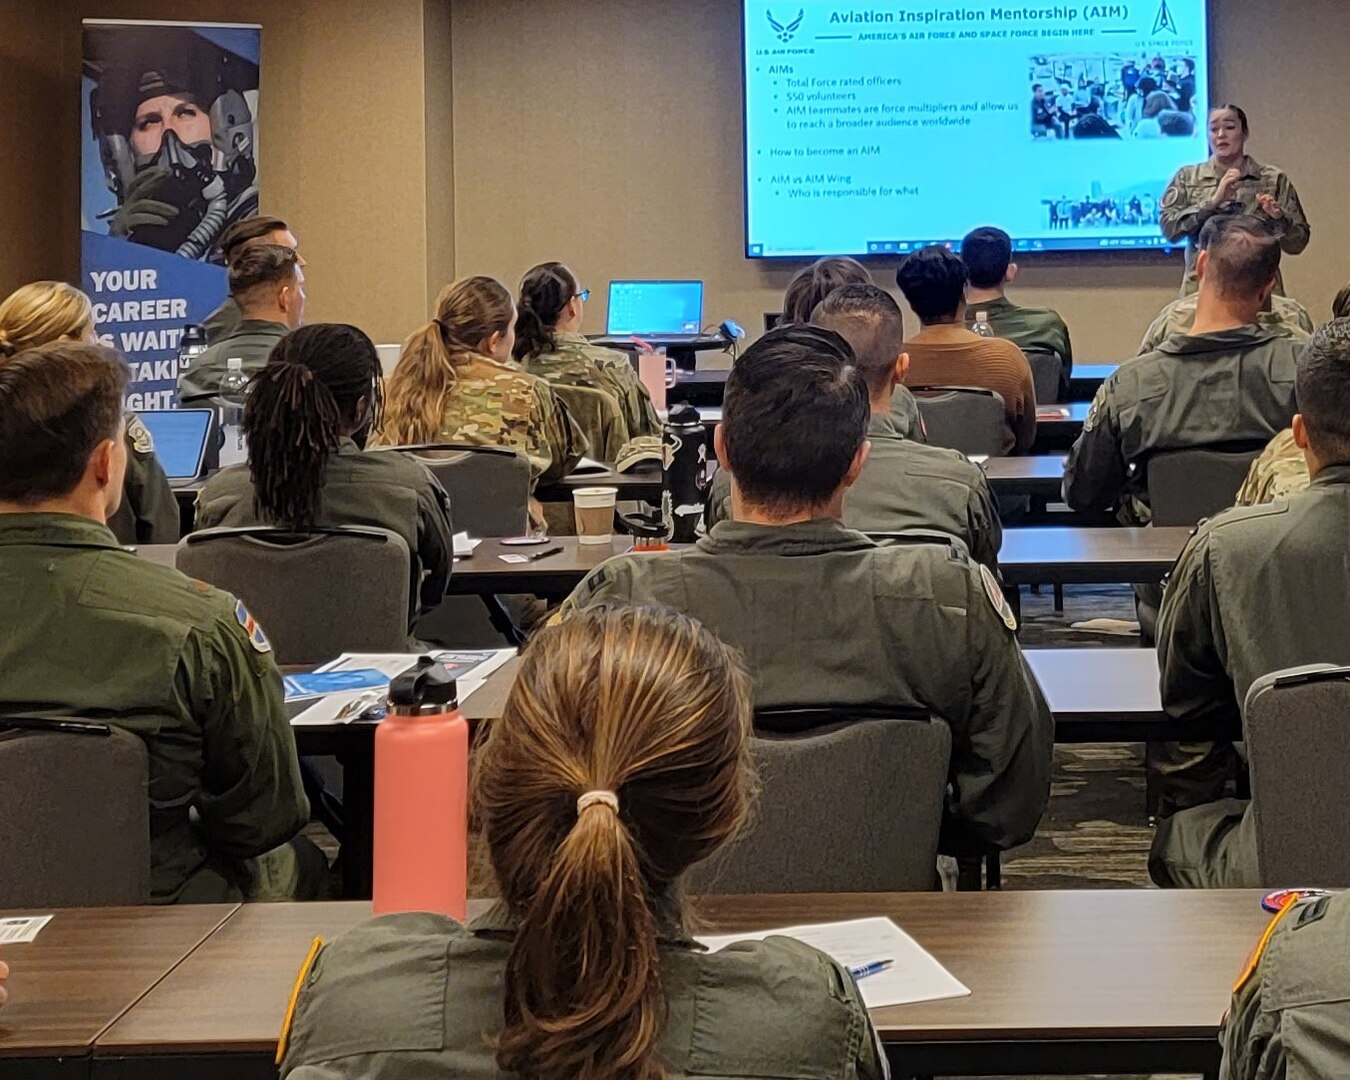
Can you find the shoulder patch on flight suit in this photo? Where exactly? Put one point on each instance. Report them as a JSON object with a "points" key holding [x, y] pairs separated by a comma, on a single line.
{"points": [[1311, 913], [316, 946], [996, 597], [252, 630], [1094, 412], [141, 440], [1249, 969]]}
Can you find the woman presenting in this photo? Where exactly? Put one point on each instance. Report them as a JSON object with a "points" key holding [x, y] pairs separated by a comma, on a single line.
{"points": [[1230, 182]]}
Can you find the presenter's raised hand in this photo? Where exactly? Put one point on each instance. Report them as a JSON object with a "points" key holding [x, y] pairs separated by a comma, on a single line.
{"points": [[1228, 186], [1270, 207]]}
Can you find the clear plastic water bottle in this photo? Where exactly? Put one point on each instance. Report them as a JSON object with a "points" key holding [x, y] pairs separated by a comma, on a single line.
{"points": [[233, 389], [982, 326]]}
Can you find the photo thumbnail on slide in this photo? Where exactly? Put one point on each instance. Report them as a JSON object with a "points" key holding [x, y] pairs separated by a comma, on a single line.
{"points": [[880, 128]]}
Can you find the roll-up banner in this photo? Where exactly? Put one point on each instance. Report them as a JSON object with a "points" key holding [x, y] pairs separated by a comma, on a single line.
{"points": [[169, 161]]}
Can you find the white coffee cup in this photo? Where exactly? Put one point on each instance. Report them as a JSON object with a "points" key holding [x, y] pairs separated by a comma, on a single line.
{"points": [[594, 511]]}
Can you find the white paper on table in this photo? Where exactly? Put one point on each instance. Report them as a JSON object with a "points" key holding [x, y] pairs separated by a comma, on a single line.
{"points": [[463, 545], [326, 710], [915, 976], [23, 929]]}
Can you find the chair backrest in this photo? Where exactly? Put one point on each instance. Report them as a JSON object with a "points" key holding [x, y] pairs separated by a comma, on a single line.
{"points": [[77, 819], [849, 807], [1047, 373], [1187, 486], [1296, 724], [599, 416], [965, 418], [287, 581], [489, 486]]}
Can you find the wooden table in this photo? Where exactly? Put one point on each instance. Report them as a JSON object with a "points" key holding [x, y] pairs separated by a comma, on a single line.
{"points": [[1116, 982], [87, 967], [1076, 556], [643, 482], [1040, 476]]}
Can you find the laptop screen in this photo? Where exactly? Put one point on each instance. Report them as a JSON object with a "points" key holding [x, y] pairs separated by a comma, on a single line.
{"points": [[180, 440], [655, 307]]}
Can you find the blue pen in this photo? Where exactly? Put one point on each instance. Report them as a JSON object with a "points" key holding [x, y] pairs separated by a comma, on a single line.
{"points": [[861, 971]]}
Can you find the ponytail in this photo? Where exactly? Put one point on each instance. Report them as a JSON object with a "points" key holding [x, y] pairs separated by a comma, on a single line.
{"points": [[621, 760], [545, 292], [299, 406]]}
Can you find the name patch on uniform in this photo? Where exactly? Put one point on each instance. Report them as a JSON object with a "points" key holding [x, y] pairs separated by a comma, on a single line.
{"points": [[996, 597], [252, 630]]}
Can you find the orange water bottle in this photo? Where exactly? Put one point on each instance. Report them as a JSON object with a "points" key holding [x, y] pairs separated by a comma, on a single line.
{"points": [[422, 796]]}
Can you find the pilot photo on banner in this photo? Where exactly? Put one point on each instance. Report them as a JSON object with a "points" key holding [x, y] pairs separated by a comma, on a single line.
{"points": [[168, 162]]}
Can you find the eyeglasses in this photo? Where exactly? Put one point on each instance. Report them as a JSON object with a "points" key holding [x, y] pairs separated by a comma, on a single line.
{"points": [[584, 295]]}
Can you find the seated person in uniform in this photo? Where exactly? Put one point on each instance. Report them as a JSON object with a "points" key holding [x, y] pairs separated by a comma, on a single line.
{"points": [[904, 485], [268, 284], [1257, 589], [987, 253], [809, 286], [47, 311], [1282, 469], [1228, 382], [549, 344], [456, 383], [1290, 1014], [945, 353], [826, 616], [592, 806], [93, 631], [308, 413], [248, 232]]}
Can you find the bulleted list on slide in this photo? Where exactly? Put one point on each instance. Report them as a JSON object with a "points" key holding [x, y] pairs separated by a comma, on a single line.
{"points": [[875, 129]]}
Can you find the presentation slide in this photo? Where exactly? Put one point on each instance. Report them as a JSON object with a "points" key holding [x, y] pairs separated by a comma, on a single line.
{"points": [[881, 129]]}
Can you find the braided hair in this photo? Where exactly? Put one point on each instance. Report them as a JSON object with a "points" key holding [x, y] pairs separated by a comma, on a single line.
{"points": [[545, 293], [320, 383]]}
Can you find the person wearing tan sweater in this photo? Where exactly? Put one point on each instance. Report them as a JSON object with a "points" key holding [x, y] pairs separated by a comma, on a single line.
{"points": [[945, 353]]}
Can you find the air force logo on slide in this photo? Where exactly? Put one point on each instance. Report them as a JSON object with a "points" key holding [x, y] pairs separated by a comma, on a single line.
{"points": [[786, 32], [1164, 21]]}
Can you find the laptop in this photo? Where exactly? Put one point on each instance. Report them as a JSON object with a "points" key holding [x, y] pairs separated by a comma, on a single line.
{"points": [[180, 437], [668, 310]]}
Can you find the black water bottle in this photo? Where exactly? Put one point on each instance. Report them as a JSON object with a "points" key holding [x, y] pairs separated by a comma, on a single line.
{"points": [[684, 455]]}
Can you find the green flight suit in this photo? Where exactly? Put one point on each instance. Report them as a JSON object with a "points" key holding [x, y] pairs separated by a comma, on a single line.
{"points": [[1188, 203], [1196, 390], [906, 486], [381, 489], [420, 996], [905, 414], [1290, 1019], [251, 342], [223, 322], [1039, 329], [94, 631], [1179, 316], [148, 513], [574, 361], [1258, 589], [825, 616]]}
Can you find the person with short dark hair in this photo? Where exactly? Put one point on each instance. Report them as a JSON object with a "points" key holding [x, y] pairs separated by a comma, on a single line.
{"points": [[905, 485], [945, 353], [1043, 121], [268, 284], [987, 253], [1228, 380], [94, 631], [809, 286], [250, 232], [308, 415], [1231, 182], [1256, 590], [826, 616]]}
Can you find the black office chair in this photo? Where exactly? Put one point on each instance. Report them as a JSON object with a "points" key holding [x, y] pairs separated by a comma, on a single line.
{"points": [[1187, 486], [965, 418], [1048, 376]]}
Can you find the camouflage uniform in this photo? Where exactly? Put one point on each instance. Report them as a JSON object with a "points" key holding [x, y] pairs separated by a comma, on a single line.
{"points": [[597, 414], [754, 1010], [148, 513], [1258, 589], [1189, 202], [496, 404], [182, 665], [1290, 1016], [1179, 316], [1280, 470], [574, 361]]}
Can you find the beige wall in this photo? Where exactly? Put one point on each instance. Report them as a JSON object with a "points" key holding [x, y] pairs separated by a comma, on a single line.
{"points": [[608, 134], [408, 140]]}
